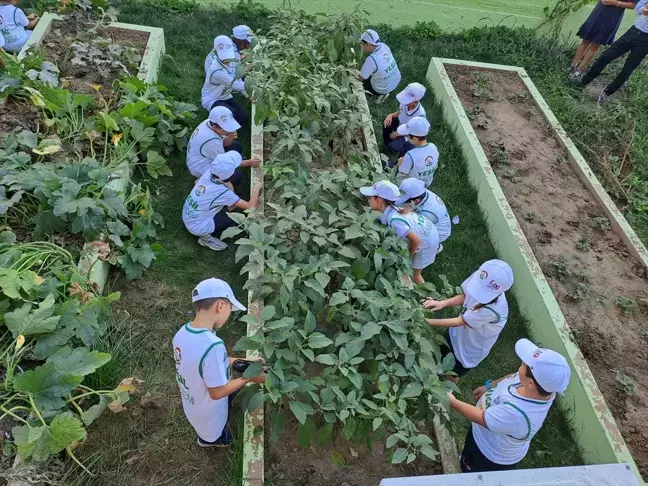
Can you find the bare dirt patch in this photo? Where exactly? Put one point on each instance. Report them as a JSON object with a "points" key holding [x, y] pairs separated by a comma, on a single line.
{"points": [[18, 116], [601, 289]]}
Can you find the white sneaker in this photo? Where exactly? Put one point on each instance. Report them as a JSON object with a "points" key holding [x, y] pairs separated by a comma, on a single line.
{"points": [[212, 243], [440, 249], [382, 98]]}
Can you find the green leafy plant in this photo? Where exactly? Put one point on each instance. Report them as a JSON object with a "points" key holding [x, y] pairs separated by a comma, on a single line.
{"points": [[583, 243], [481, 87], [625, 383], [601, 223], [626, 304]]}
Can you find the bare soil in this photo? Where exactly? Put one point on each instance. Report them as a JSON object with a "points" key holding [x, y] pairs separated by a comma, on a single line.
{"points": [[77, 78], [587, 265], [288, 464], [18, 116]]}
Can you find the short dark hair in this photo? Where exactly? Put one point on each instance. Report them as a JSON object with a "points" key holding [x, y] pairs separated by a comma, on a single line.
{"points": [[529, 374], [215, 125], [412, 199], [206, 304], [423, 138]]}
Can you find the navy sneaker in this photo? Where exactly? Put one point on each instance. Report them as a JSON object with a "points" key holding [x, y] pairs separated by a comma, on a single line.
{"points": [[225, 440]]}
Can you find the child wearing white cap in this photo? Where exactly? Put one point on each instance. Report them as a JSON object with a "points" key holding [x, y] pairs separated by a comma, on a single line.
{"points": [[216, 135], [422, 161], [203, 368], [511, 410], [205, 210], [420, 233], [221, 80], [15, 26], [242, 39], [379, 73], [428, 204], [483, 315], [409, 107]]}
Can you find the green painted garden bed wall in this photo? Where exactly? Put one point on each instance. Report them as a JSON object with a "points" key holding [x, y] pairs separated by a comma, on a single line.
{"points": [[595, 429]]}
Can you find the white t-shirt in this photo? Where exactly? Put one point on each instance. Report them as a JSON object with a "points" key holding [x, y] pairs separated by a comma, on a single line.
{"points": [[403, 224], [207, 198], [405, 115], [2, 40], [473, 342], [381, 66], [12, 27], [511, 422], [209, 60], [203, 147], [202, 362], [420, 162], [219, 83], [434, 209]]}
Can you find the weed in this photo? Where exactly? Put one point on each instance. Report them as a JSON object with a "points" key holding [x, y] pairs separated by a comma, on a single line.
{"points": [[643, 332], [625, 383], [531, 217], [583, 243], [580, 292], [627, 304], [482, 88], [601, 222], [560, 268], [502, 156]]}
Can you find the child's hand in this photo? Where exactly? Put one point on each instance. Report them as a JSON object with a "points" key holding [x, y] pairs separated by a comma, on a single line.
{"points": [[478, 392], [388, 120], [400, 160], [393, 135], [255, 163], [406, 210], [32, 17], [432, 304]]}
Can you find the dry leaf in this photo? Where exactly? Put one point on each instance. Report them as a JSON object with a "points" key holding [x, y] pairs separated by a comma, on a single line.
{"points": [[129, 385], [115, 406], [77, 290], [354, 453], [39, 280], [101, 247]]}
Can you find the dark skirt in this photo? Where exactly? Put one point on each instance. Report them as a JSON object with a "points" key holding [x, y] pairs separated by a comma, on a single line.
{"points": [[602, 24]]}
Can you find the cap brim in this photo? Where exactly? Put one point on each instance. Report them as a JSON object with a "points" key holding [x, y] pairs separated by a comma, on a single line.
{"points": [[367, 191], [525, 349], [400, 97], [226, 54], [402, 130], [477, 292], [237, 305], [230, 126], [402, 199]]}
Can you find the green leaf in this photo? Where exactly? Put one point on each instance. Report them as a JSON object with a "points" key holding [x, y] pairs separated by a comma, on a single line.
{"points": [[14, 282], [338, 298], [316, 286], [231, 232], [40, 443], [94, 412], [253, 370], [323, 279], [392, 440], [156, 165], [353, 232], [305, 433], [144, 254], [338, 459], [47, 385], [309, 353], [256, 401], [318, 340], [310, 323], [268, 312], [352, 348], [300, 410], [78, 361], [412, 390], [378, 260], [323, 435], [429, 452], [399, 456], [278, 425], [369, 330], [326, 359], [410, 457], [377, 422], [29, 323], [448, 362], [349, 428], [347, 252]]}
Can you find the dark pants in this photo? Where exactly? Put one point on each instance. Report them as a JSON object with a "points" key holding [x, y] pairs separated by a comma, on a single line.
{"points": [[458, 367], [237, 110], [222, 221], [472, 459], [236, 146], [633, 41], [398, 145], [366, 84]]}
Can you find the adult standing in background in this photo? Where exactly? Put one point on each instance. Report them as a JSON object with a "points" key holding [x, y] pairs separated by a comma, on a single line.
{"points": [[634, 41], [379, 74], [599, 29]]}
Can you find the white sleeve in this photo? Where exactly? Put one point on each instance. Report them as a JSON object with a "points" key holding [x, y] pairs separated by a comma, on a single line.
{"points": [[214, 367], [505, 419], [368, 68], [239, 85], [20, 18], [229, 199], [400, 226], [219, 76], [406, 165], [478, 318]]}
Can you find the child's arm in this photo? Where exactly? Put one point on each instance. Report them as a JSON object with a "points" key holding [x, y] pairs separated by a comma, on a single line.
{"points": [[250, 163], [388, 119], [450, 322], [414, 242], [619, 4], [218, 392], [437, 305], [472, 413], [33, 22], [254, 199]]}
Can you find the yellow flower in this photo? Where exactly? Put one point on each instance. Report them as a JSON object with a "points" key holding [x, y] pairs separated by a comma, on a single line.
{"points": [[96, 87], [19, 342], [116, 138], [142, 212]]}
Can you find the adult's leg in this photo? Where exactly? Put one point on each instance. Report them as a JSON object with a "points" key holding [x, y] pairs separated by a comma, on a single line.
{"points": [[589, 55], [473, 460], [616, 50], [637, 54], [580, 52], [222, 221]]}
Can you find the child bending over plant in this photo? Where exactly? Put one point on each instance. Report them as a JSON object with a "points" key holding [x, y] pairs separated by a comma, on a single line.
{"points": [[428, 204], [421, 234], [409, 106], [203, 369], [422, 161], [205, 211], [15, 26], [484, 311]]}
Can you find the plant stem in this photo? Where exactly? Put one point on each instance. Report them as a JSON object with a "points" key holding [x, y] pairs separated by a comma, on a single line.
{"points": [[35, 408], [73, 457], [11, 414]]}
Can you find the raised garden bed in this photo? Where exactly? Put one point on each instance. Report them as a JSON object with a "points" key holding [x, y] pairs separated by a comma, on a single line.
{"points": [[580, 270]]}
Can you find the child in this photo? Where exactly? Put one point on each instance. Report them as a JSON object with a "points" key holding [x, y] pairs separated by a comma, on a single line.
{"points": [[421, 161], [203, 369], [379, 73], [600, 28], [483, 315], [221, 80], [409, 106], [421, 234], [216, 135], [242, 40], [511, 410], [15, 26], [2, 44], [205, 209], [428, 204]]}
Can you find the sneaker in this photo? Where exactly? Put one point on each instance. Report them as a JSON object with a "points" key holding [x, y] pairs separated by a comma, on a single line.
{"points": [[382, 98], [576, 75], [225, 440], [603, 98], [212, 243], [440, 249]]}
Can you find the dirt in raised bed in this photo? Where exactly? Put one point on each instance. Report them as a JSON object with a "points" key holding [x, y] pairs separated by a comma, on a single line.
{"points": [[288, 464], [18, 116], [588, 267], [78, 78]]}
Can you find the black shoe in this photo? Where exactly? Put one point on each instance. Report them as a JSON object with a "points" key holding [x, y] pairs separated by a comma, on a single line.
{"points": [[225, 440]]}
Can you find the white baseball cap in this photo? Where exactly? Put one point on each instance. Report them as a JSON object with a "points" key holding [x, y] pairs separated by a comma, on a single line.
{"points": [[417, 126], [214, 288], [242, 32], [224, 165], [384, 189], [492, 279], [224, 48], [410, 189], [224, 118], [412, 92], [550, 369], [370, 36]]}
